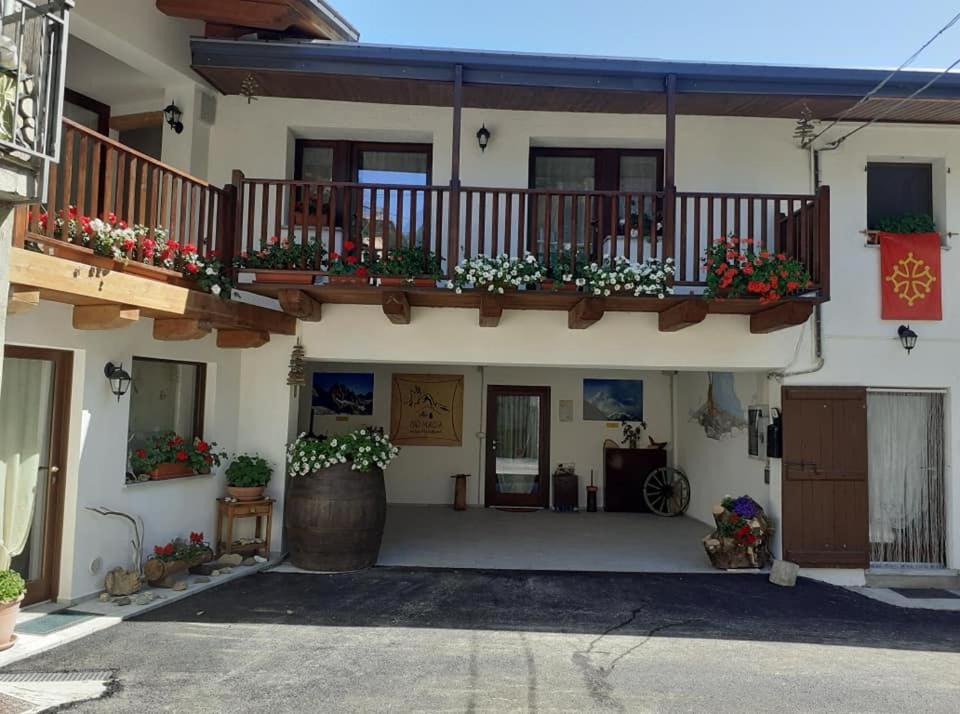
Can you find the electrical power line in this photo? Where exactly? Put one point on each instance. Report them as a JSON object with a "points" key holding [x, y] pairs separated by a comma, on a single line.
{"points": [[866, 97], [895, 106]]}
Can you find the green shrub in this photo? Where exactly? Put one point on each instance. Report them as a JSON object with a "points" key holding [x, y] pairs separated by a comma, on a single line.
{"points": [[907, 223], [246, 471], [11, 585]]}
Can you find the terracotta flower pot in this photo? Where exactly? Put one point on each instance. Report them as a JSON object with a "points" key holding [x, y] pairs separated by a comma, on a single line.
{"points": [[349, 280], [8, 620], [290, 277], [171, 470], [246, 493]]}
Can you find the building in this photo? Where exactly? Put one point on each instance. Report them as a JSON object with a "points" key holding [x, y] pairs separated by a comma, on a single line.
{"points": [[288, 127]]}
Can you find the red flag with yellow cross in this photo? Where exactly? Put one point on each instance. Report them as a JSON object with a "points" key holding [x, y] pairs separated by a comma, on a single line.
{"points": [[910, 276]]}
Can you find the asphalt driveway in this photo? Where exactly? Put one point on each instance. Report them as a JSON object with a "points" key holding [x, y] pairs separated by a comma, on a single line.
{"points": [[397, 639]]}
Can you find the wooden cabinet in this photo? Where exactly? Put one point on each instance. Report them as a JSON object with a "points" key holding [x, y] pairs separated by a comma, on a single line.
{"points": [[624, 471], [566, 491]]}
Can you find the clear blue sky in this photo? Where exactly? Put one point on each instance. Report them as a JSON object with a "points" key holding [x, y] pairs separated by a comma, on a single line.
{"points": [[859, 33]]}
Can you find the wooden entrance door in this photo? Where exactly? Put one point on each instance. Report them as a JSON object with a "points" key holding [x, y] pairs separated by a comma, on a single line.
{"points": [[518, 445], [825, 499], [36, 390]]}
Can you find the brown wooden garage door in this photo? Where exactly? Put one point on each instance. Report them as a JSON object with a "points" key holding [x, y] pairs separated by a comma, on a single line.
{"points": [[825, 498]]}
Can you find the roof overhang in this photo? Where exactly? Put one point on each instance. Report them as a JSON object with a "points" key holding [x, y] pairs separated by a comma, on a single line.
{"points": [[310, 18], [409, 75]]}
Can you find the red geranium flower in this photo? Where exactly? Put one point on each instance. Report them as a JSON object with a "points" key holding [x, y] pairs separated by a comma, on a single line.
{"points": [[158, 550], [182, 455], [362, 271], [351, 259], [202, 446], [192, 268], [168, 549], [141, 454], [349, 245]]}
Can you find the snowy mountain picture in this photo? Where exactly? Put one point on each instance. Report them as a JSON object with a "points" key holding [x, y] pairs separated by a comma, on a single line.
{"points": [[613, 399], [343, 393]]}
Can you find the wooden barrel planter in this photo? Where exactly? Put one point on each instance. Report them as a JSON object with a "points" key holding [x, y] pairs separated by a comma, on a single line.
{"points": [[334, 518]]}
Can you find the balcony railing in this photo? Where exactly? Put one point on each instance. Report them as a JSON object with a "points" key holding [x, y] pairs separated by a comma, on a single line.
{"points": [[98, 176], [338, 218]]}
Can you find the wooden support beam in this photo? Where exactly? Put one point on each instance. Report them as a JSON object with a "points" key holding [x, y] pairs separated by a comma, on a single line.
{"points": [[683, 314], [242, 339], [173, 330], [585, 313], [779, 317], [157, 299], [396, 307], [300, 305], [21, 299], [491, 310], [103, 317], [126, 122]]}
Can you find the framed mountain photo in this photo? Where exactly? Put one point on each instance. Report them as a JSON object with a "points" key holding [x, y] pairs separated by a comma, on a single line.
{"points": [[343, 393], [613, 400]]}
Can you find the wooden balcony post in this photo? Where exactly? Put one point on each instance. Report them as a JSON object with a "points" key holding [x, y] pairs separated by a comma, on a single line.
{"points": [[670, 167], [453, 227], [823, 235], [226, 226]]}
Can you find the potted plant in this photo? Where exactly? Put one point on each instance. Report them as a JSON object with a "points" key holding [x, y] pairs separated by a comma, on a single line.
{"points": [[497, 274], [336, 503], [247, 476], [565, 272], [12, 590], [174, 557], [736, 268], [280, 261], [651, 278], [410, 265], [742, 536], [349, 268], [907, 224], [168, 455]]}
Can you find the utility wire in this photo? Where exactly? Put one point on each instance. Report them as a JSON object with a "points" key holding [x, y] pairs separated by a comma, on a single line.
{"points": [[894, 107], [869, 95]]}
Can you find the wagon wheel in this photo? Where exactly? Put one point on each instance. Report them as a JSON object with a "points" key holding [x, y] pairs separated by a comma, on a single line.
{"points": [[666, 491]]}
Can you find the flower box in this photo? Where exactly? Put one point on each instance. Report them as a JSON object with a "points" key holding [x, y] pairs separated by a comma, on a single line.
{"points": [[289, 277], [162, 472], [353, 280], [398, 281]]}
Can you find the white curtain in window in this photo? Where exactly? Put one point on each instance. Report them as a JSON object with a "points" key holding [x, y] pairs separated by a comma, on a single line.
{"points": [[24, 411], [906, 473]]}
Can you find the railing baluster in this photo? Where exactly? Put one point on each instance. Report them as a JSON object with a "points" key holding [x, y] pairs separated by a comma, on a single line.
{"points": [[508, 224], [399, 223], [482, 228], [682, 235], [521, 222], [697, 251], [331, 227], [468, 226], [121, 181], [82, 178], [95, 167], [66, 161]]}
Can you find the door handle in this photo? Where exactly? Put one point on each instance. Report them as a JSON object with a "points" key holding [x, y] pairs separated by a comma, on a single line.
{"points": [[51, 469], [493, 445]]}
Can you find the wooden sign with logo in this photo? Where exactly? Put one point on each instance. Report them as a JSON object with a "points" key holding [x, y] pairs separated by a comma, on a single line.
{"points": [[427, 410]]}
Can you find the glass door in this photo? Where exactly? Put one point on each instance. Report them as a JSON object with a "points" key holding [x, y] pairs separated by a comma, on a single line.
{"points": [[34, 405], [518, 439]]}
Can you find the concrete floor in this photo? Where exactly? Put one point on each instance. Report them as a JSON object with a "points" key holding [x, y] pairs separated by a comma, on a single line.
{"points": [[439, 537]]}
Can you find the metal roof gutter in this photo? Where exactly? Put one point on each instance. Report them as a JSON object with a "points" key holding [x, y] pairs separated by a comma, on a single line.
{"points": [[567, 71]]}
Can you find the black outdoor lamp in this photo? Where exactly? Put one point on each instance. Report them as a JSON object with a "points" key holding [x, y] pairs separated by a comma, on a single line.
{"points": [[173, 115], [118, 377], [908, 338], [483, 137]]}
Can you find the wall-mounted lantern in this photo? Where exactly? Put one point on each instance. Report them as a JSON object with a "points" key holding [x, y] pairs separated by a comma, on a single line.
{"points": [[908, 338], [118, 377], [173, 115], [483, 137]]}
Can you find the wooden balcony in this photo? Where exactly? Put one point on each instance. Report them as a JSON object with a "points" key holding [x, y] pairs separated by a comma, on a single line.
{"points": [[339, 219], [97, 177]]}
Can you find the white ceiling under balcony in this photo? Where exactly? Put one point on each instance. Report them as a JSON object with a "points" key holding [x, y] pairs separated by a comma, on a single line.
{"points": [[93, 72]]}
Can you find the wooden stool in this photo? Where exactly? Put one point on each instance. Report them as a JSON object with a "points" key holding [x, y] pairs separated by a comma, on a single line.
{"points": [[229, 511], [460, 492]]}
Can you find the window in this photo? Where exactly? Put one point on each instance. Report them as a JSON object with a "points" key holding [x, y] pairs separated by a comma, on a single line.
{"points": [[365, 162], [166, 396], [894, 189]]}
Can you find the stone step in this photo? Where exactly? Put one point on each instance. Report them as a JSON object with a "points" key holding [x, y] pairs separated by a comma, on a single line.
{"points": [[939, 578]]}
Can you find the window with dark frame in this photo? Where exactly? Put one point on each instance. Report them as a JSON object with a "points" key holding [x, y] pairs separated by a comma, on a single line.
{"points": [[363, 161], [896, 189], [166, 395]]}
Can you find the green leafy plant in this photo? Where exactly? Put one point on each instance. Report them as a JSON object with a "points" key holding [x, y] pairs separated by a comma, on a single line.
{"points": [[247, 471], [410, 262], [350, 263], [277, 254], [907, 223], [12, 585], [364, 449], [735, 268], [169, 448]]}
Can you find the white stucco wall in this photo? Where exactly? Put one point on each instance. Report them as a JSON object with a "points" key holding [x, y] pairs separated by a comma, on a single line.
{"points": [[96, 458]]}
